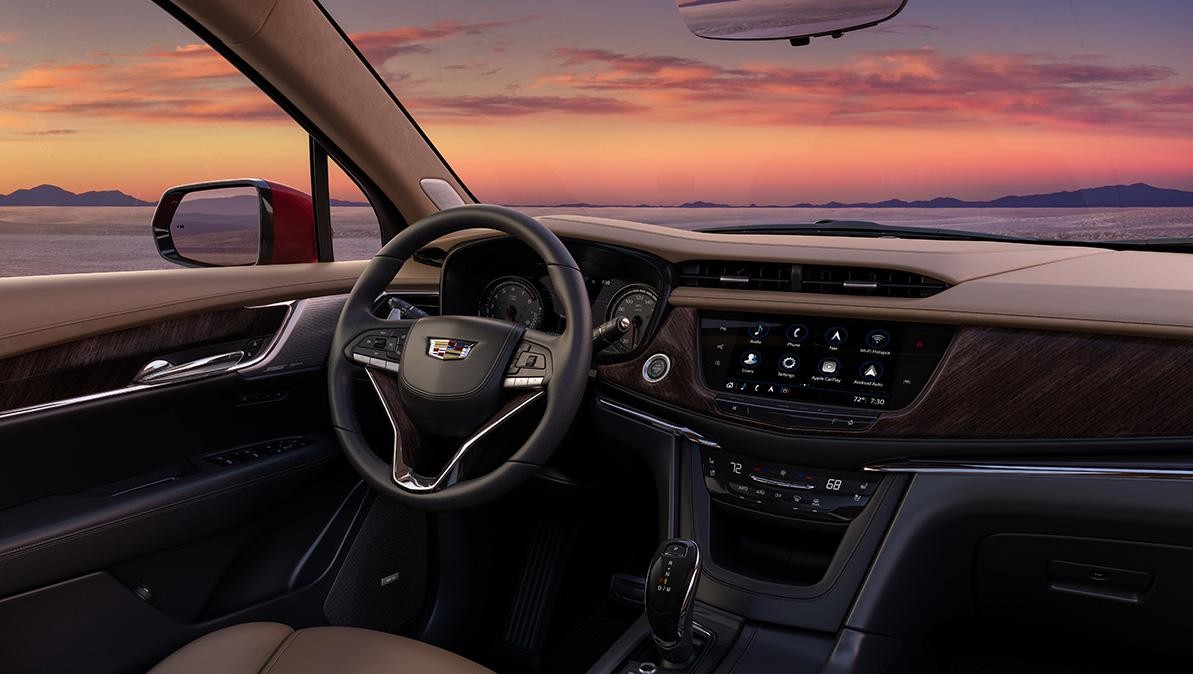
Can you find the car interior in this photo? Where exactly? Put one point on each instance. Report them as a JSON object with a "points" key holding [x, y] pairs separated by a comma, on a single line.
{"points": [[571, 443]]}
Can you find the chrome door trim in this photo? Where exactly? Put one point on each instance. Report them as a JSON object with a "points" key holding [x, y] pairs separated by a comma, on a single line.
{"points": [[135, 387], [1031, 470]]}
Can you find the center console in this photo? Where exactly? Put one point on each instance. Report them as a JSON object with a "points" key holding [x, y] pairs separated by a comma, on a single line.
{"points": [[786, 527]]}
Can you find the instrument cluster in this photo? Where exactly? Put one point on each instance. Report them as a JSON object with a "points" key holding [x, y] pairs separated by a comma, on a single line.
{"points": [[502, 279]]}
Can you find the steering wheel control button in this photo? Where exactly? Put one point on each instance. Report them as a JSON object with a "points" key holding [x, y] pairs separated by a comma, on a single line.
{"points": [[656, 368], [797, 333], [836, 336], [870, 371]]}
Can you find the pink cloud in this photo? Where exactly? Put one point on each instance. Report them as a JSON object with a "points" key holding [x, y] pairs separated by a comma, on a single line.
{"points": [[901, 87], [381, 45], [497, 106]]}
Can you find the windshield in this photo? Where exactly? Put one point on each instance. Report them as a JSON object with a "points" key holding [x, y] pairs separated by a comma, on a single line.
{"points": [[1081, 110]]}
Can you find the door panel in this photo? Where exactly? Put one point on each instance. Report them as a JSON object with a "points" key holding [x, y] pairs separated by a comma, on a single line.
{"points": [[167, 511]]}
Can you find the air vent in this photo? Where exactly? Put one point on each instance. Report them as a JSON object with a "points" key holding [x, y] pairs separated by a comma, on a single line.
{"points": [[867, 281], [808, 279], [741, 275]]}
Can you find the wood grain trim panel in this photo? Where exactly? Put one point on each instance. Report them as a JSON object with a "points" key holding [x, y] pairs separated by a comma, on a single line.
{"points": [[993, 383], [109, 362], [682, 387], [1002, 383]]}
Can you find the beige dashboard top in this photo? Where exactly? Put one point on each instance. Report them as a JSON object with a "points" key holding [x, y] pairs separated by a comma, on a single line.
{"points": [[994, 283]]}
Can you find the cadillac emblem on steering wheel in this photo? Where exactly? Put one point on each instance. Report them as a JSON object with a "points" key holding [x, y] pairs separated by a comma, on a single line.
{"points": [[449, 349]]}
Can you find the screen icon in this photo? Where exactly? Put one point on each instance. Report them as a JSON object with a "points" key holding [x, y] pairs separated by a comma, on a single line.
{"points": [[797, 333], [870, 371], [836, 336], [789, 363], [759, 330], [830, 366], [878, 339], [751, 359]]}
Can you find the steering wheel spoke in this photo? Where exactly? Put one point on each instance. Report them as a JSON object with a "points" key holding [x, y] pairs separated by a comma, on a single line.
{"points": [[410, 443]]}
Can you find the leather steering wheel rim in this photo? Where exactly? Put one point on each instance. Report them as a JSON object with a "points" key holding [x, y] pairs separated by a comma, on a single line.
{"points": [[570, 353]]}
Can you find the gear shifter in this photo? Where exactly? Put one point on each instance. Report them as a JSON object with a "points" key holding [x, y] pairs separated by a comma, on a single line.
{"points": [[670, 588]]}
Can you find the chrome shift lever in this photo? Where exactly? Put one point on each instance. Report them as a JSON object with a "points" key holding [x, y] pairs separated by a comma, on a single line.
{"points": [[670, 590]]}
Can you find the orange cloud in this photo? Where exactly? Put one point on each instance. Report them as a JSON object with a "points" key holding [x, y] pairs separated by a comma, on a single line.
{"points": [[189, 83]]}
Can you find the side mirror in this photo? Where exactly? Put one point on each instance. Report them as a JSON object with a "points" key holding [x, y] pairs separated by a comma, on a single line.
{"points": [[796, 20], [231, 223]]}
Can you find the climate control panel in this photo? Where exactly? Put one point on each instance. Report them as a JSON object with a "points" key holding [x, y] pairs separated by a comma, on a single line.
{"points": [[791, 491]]}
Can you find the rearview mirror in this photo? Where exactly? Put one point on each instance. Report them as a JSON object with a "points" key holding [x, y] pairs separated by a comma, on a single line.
{"points": [[795, 20], [233, 223]]}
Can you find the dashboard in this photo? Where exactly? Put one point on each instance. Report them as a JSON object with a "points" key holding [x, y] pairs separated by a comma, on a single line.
{"points": [[503, 279], [1008, 350]]}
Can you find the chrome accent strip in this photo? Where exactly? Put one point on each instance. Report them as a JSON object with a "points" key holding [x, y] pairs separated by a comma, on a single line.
{"points": [[780, 483], [416, 483], [133, 388], [680, 431], [1028, 470], [163, 370]]}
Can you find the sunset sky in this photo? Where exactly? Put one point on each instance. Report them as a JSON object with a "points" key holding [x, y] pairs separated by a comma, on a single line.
{"points": [[616, 102]]}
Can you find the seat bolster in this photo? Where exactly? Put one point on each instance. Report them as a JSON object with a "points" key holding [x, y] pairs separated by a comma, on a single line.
{"points": [[239, 649], [323, 650]]}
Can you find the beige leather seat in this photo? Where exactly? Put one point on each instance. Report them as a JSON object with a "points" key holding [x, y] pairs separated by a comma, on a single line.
{"points": [[272, 648]]}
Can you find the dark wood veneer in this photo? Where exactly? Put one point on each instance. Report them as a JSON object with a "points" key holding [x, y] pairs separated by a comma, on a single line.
{"points": [[992, 383], [110, 361], [683, 386]]}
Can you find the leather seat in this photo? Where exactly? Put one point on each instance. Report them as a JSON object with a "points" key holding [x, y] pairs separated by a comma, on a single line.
{"points": [[272, 648]]}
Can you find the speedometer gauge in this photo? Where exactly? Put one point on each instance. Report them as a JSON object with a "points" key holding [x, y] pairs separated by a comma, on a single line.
{"points": [[637, 303], [512, 299]]}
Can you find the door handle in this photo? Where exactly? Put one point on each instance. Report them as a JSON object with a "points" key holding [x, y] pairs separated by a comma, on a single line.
{"points": [[161, 371]]}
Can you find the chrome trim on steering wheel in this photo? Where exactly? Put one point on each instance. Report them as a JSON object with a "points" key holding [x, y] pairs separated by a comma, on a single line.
{"points": [[413, 482]]}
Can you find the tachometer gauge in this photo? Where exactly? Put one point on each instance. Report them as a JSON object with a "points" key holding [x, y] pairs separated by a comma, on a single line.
{"points": [[513, 299], [637, 303]]}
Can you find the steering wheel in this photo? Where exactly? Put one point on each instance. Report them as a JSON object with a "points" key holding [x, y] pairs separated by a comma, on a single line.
{"points": [[446, 382]]}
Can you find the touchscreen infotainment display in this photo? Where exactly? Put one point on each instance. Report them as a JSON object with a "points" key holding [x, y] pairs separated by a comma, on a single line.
{"points": [[848, 362]]}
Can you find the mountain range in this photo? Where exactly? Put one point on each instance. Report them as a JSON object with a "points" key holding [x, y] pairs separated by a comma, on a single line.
{"points": [[52, 195], [1137, 195]]}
